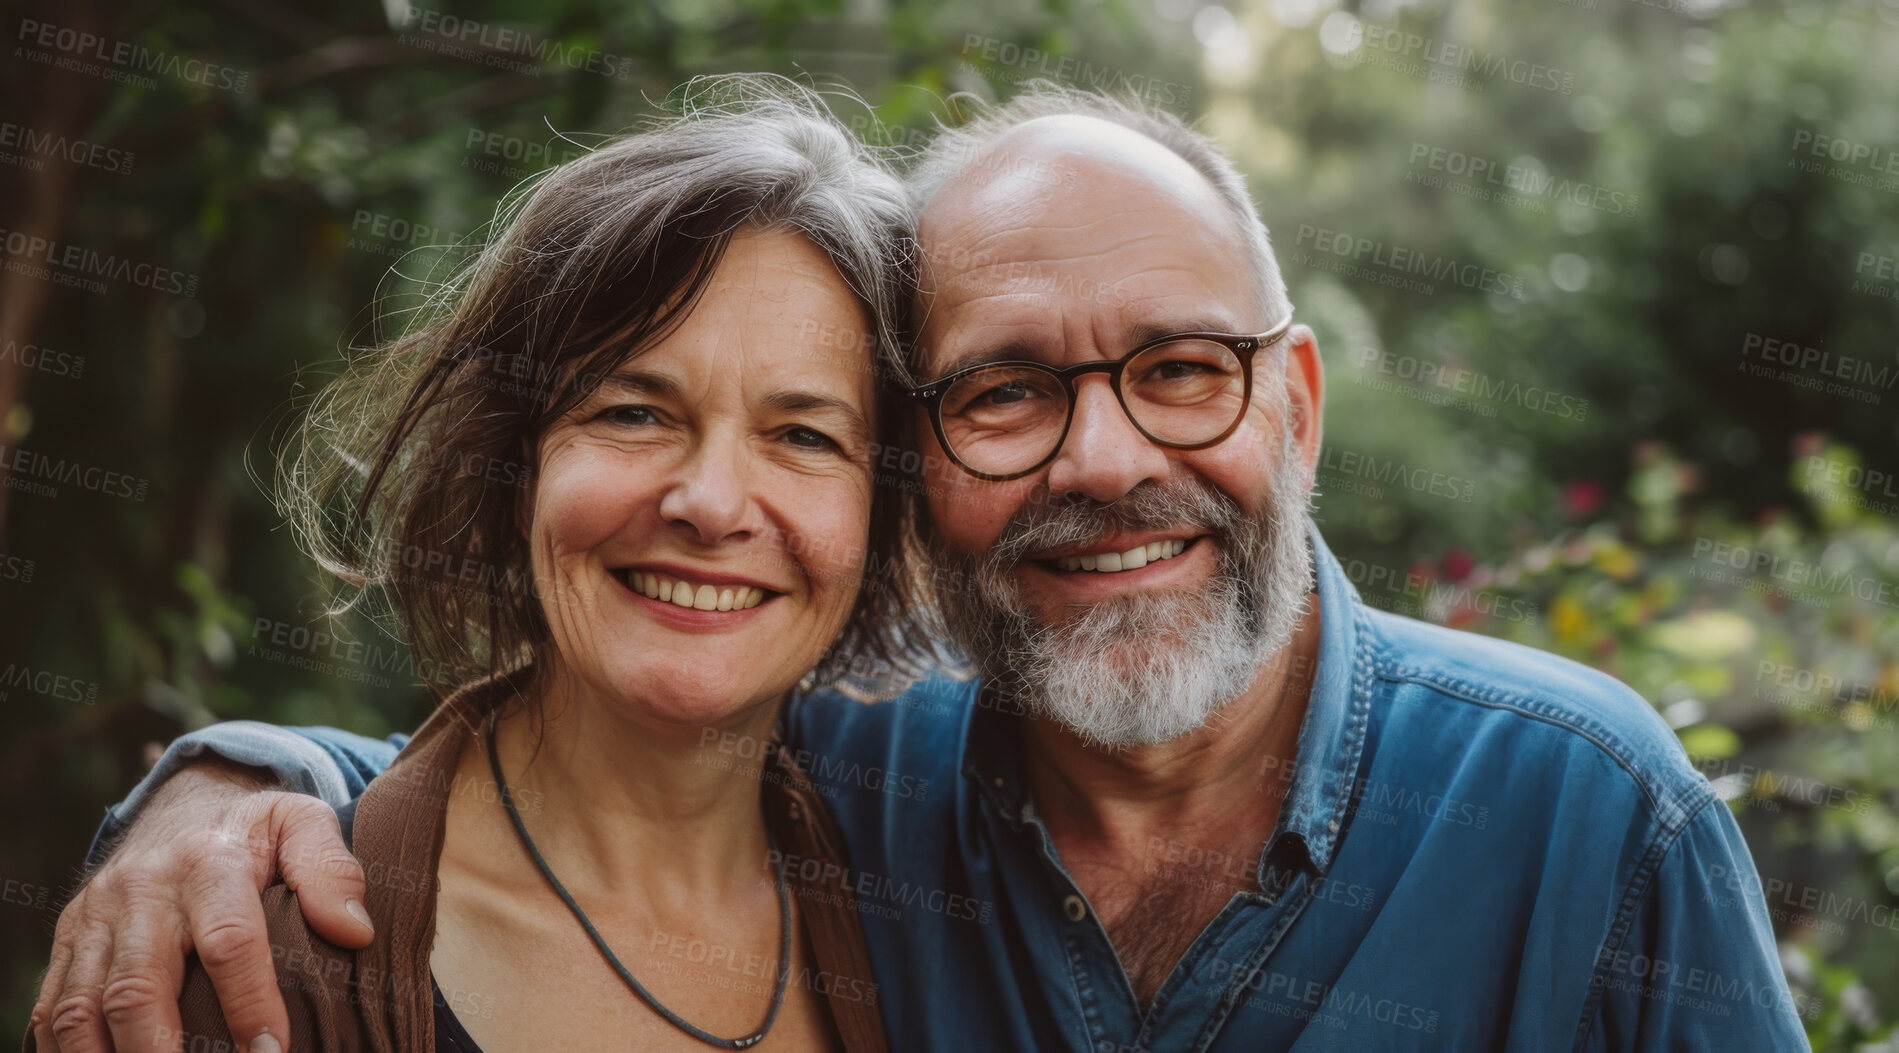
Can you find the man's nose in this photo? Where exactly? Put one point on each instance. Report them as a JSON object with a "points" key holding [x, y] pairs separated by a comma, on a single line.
{"points": [[1104, 455]]}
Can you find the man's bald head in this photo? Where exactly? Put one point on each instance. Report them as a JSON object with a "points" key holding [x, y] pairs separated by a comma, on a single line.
{"points": [[1017, 158]]}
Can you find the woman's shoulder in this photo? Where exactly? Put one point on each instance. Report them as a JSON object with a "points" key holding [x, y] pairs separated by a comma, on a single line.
{"points": [[319, 981]]}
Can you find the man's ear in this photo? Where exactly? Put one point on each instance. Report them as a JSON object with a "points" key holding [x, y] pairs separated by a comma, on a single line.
{"points": [[1305, 395]]}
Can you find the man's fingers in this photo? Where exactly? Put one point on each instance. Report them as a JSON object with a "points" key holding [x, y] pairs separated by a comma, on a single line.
{"points": [[140, 998], [75, 1018], [41, 1022], [314, 864], [233, 945]]}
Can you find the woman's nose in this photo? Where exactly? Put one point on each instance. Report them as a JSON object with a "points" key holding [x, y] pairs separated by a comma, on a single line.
{"points": [[710, 494]]}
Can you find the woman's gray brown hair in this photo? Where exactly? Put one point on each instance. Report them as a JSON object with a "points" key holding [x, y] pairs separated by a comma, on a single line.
{"points": [[405, 477]]}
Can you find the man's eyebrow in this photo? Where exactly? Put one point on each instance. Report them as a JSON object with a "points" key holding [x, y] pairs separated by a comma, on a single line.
{"points": [[1135, 335], [1013, 351], [1145, 332], [810, 401]]}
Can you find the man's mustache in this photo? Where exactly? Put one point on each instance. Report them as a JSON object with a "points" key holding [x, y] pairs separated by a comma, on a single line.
{"points": [[1076, 520]]}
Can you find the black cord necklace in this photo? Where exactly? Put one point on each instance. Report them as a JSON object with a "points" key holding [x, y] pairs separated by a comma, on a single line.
{"points": [[784, 925]]}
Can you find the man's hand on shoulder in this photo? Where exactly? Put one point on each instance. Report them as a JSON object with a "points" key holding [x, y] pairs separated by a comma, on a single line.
{"points": [[186, 877]]}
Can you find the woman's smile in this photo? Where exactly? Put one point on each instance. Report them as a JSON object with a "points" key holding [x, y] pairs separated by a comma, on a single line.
{"points": [[694, 598]]}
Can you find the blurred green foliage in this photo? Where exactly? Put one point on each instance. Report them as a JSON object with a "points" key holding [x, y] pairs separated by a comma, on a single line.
{"points": [[1560, 446]]}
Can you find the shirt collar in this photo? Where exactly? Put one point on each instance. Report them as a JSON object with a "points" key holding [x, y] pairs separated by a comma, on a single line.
{"points": [[1331, 739]]}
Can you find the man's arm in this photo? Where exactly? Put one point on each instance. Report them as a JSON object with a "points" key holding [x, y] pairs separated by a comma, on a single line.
{"points": [[322, 762], [179, 865], [1698, 968]]}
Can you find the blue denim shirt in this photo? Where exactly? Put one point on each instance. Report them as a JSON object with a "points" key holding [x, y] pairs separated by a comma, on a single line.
{"points": [[1479, 846]]}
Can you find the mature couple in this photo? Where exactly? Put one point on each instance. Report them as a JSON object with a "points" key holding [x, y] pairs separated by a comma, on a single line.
{"points": [[1199, 797]]}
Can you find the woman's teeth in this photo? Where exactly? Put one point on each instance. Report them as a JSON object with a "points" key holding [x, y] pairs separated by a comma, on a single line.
{"points": [[1132, 559], [698, 597]]}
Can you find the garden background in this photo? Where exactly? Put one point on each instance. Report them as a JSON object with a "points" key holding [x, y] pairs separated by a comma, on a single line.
{"points": [[1606, 291]]}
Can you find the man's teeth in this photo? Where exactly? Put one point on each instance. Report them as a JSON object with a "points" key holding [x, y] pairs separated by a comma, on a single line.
{"points": [[698, 597], [1132, 559]]}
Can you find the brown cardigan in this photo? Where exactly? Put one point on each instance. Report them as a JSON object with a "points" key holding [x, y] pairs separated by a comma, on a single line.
{"points": [[379, 998]]}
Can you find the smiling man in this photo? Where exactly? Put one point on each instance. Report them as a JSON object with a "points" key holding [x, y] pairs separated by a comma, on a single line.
{"points": [[1199, 797]]}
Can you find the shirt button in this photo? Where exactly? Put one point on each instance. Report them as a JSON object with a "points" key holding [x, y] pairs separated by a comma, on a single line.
{"points": [[1075, 908]]}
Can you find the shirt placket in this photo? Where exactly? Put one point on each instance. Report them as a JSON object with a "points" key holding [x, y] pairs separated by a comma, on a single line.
{"points": [[1194, 1003]]}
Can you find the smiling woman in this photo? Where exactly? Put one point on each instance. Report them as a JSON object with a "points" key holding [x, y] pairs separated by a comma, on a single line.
{"points": [[672, 508], [673, 339], [390, 480]]}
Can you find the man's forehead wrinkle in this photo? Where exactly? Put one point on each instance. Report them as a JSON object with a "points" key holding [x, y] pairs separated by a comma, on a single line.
{"points": [[1023, 265], [961, 236], [974, 196], [1054, 235]]}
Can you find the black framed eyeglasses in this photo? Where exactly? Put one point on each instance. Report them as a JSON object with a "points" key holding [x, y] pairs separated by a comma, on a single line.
{"points": [[1002, 420]]}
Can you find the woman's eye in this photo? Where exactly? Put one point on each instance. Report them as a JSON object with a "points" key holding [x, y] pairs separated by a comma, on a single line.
{"points": [[631, 416], [809, 439]]}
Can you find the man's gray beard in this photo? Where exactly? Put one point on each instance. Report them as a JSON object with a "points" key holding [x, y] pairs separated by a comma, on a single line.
{"points": [[1156, 665]]}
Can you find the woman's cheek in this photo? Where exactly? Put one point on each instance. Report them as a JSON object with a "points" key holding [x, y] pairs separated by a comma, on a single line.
{"points": [[584, 497]]}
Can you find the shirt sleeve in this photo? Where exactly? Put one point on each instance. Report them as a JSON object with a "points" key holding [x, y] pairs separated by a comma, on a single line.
{"points": [[322, 762], [1698, 969]]}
